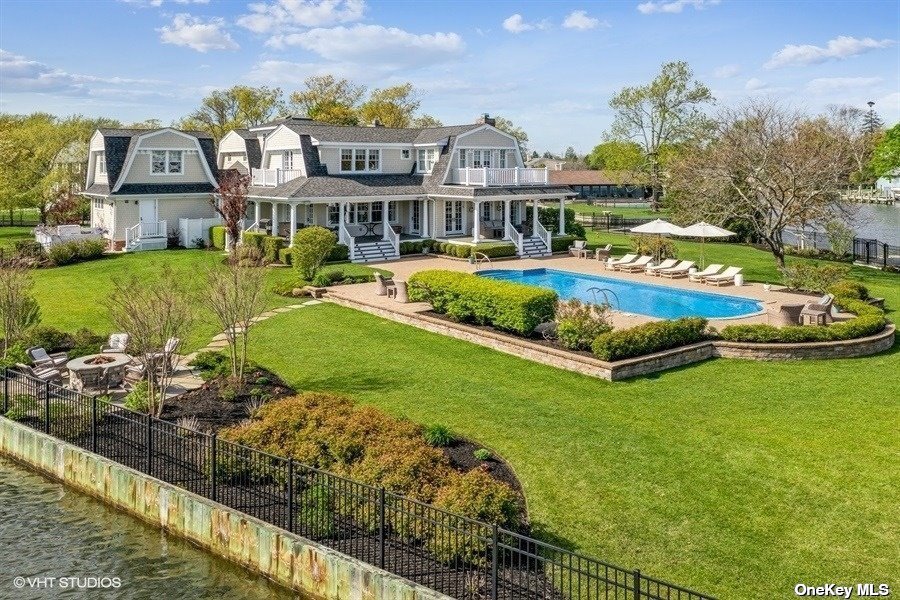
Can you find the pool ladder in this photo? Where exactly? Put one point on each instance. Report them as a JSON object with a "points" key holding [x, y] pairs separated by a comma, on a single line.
{"points": [[479, 258], [606, 293]]}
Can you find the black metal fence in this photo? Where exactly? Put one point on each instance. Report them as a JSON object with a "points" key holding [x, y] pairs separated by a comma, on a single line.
{"points": [[875, 253], [609, 221], [19, 218], [449, 553]]}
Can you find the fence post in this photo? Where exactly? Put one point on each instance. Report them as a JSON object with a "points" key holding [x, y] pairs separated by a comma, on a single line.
{"points": [[290, 495], [149, 445], [381, 527], [212, 470], [884, 253], [5, 390], [495, 538], [46, 407], [854, 249], [94, 424], [637, 584]]}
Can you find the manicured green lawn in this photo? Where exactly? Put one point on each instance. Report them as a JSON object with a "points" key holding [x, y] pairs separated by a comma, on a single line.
{"points": [[625, 211], [10, 235], [737, 478], [72, 297]]}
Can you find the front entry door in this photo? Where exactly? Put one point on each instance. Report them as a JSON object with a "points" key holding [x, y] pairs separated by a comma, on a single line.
{"points": [[454, 217], [148, 211], [415, 217]]}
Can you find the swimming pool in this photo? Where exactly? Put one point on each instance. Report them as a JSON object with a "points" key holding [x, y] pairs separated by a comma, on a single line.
{"points": [[660, 301]]}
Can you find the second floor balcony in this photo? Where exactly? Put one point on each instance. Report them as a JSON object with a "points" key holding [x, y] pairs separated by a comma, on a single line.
{"points": [[273, 177], [496, 176]]}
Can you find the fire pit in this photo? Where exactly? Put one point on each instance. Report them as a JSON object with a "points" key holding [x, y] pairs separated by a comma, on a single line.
{"points": [[100, 359]]}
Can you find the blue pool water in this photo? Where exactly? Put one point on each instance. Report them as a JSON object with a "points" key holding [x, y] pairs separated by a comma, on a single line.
{"points": [[661, 301]]}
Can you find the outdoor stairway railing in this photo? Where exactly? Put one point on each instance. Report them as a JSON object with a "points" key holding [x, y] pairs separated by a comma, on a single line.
{"points": [[454, 555]]}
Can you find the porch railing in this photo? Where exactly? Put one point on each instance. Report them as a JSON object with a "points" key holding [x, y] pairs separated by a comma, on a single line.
{"points": [[492, 176], [273, 177], [393, 237], [345, 238], [146, 230], [545, 235], [513, 235]]}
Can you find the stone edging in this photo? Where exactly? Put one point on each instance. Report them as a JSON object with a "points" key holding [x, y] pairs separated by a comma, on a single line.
{"points": [[290, 560], [631, 367]]}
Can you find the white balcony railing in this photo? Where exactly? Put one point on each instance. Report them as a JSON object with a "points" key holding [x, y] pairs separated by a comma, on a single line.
{"points": [[273, 177], [490, 176]]}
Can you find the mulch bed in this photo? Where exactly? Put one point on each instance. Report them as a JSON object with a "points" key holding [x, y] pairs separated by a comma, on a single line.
{"points": [[461, 454]]}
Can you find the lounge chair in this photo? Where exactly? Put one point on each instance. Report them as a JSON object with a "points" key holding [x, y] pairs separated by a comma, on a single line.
{"points": [[168, 353], [41, 359], [709, 270], [384, 283], [117, 342], [603, 253], [636, 266], [577, 249], [726, 276], [628, 258], [399, 292], [48, 375], [681, 270], [820, 311], [666, 264], [787, 314]]}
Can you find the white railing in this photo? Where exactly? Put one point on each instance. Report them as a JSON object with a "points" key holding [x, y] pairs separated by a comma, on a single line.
{"points": [[273, 177], [488, 176], [345, 238], [393, 237], [514, 235], [145, 230], [545, 235]]}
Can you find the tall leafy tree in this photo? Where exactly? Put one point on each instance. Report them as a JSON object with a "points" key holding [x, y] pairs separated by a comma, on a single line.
{"points": [[238, 107], [871, 122], [392, 107], [570, 154], [668, 111], [426, 120], [886, 156], [328, 99]]}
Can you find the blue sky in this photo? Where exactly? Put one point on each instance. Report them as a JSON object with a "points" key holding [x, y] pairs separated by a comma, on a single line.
{"points": [[551, 67]]}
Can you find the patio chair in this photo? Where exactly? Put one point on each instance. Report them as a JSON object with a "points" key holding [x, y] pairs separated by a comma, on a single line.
{"points": [[666, 264], [603, 253], [820, 311], [88, 379], [40, 357], [613, 263], [117, 342], [49, 375], [384, 284], [577, 249], [167, 355], [132, 376], [709, 270], [636, 266], [681, 270], [787, 314], [725, 277], [399, 292]]}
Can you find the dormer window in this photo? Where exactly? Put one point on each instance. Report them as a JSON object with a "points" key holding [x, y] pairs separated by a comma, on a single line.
{"points": [[287, 160], [426, 159], [360, 160], [404, 154], [166, 162], [101, 163]]}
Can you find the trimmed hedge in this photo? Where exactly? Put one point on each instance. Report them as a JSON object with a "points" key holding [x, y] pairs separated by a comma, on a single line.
{"points": [[649, 338], [255, 240], [340, 253], [76, 251], [562, 243], [217, 237], [469, 298], [272, 246]]}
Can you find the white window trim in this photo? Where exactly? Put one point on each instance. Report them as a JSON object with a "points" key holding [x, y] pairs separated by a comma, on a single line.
{"points": [[167, 172], [101, 163], [426, 152], [366, 152]]}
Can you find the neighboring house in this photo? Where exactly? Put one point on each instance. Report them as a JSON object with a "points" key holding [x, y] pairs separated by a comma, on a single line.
{"points": [[890, 184], [464, 184], [554, 164], [605, 186], [142, 181]]}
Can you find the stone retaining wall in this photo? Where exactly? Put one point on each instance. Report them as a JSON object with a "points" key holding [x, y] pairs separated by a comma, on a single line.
{"points": [[632, 367], [313, 570]]}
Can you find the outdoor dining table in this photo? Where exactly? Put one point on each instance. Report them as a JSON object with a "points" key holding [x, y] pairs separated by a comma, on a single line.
{"points": [[112, 369]]}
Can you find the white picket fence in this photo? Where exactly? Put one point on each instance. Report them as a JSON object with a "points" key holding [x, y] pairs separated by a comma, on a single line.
{"points": [[190, 230]]}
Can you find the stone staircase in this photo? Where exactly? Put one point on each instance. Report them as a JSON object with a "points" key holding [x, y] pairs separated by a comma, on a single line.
{"points": [[534, 247], [374, 252]]}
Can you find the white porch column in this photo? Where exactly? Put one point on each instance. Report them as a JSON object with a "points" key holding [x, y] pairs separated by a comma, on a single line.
{"points": [[534, 216], [506, 212], [476, 222], [426, 226], [562, 216], [385, 222], [293, 228], [257, 212]]}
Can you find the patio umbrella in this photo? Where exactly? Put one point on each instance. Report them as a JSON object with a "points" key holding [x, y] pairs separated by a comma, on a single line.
{"points": [[659, 227], [704, 230]]}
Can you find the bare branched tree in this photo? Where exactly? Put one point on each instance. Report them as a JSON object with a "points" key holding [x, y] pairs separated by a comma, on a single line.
{"points": [[153, 312], [18, 308], [235, 296], [770, 166], [231, 203]]}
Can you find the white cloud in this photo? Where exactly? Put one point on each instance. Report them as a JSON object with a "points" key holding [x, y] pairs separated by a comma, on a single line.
{"points": [[674, 6], [839, 48], [579, 19], [385, 48], [517, 24], [726, 71], [823, 85], [197, 33], [146, 3], [753, 84], [293, 15], [19, 74]]}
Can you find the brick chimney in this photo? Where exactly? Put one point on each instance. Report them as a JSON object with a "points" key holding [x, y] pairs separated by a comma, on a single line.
{"points": [[485, 119], [377, 123]]}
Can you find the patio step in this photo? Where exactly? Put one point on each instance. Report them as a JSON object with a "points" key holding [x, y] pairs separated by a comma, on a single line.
{"points": [[534, 247], [374, 252]]}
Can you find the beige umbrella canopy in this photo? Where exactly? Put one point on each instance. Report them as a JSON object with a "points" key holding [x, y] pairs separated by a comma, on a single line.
{"points": [[660, 228], [704, 230]]}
